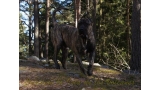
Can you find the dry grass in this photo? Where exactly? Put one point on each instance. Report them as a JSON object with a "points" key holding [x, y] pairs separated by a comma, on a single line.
{"points": [[35, 77]]}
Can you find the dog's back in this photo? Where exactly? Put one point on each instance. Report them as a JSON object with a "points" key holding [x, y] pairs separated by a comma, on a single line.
{"points": [[65, 33]]}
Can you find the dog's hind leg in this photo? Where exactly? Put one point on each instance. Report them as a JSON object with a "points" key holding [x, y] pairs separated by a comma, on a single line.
{"points": [[56, 50], [64, 56]]}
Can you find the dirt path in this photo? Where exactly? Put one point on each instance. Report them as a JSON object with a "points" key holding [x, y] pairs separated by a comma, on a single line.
{"points": [[36, 77]]}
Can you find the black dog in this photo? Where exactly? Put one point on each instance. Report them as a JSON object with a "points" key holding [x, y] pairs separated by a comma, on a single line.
{"points": [[86, 32], [63, 36]]}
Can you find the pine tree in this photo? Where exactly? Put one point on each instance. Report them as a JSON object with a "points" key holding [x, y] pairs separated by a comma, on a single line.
{"points": [[36, 28], [135, 62]]}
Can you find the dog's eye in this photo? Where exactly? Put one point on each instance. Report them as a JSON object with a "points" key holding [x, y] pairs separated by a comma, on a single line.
{"points": [[88, 22]]}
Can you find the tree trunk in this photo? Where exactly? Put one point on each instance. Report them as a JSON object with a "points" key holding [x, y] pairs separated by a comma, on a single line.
{"points": [[40, 44], [135, 63], [30, 25], [127, 31], [36, 28], [77, 11], [98, 51], [88, 6], [94, 22], [94, 17], [47, 30]]}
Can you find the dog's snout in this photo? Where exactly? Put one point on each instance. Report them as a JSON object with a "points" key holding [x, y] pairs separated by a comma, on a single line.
{"points": [[81, 27]]}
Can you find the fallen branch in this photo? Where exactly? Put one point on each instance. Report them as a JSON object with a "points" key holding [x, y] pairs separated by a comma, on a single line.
{"points": [[120, 56]]}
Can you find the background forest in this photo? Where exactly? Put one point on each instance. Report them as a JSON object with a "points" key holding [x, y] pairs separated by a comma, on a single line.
{"points": [[116, 25]]}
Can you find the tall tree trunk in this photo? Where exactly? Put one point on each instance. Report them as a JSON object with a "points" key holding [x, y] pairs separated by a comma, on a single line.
{"points": [[135, 62], [36, 28], [94, 17], [75, 19], [77, 11], [40, 43], [128, 30], [47, 30], [94, 21], [30, 25], [88, 5], [98, 31]]}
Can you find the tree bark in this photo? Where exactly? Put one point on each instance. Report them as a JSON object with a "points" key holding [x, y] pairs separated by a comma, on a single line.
{"points": [[135, 62], [36, 28], [41, 53], [127, 31], [30, 25], [88, 5], [47, 30], [77, 11], [94, 17], [94, 22]]}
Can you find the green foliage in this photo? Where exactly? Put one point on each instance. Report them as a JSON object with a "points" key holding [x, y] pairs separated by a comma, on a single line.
{"points": [[23, 39], [111, 29]]}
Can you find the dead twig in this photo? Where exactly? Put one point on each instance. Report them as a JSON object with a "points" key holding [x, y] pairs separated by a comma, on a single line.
{"points": [[120, 56]]}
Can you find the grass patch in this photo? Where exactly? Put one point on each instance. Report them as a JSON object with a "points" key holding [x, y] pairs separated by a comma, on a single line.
{"points": [[108, 71], [35, 78]]}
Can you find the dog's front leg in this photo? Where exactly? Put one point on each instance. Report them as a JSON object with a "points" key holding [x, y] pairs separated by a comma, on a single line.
{"points": [[91, 62]]}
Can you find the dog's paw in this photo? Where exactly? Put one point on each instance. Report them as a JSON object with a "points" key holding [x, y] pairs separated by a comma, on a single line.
{"points": [[90, 73], [57, 66]]}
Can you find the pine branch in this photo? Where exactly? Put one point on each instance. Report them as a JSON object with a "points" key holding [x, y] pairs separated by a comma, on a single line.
{"points": [[25, 23], [24, 12]]}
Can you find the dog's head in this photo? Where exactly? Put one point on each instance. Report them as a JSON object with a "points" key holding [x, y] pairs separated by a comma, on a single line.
{"points": [[84, 28]]}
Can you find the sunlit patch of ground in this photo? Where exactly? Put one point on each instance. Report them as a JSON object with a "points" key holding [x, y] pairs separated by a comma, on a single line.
{"points": [[35, 77]]}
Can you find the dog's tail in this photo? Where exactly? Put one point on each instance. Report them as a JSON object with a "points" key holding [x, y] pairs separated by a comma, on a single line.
{"points": [[54, 13]]}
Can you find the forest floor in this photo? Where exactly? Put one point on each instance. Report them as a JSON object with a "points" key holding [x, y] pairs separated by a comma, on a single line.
{"points": [[35, 77]]}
